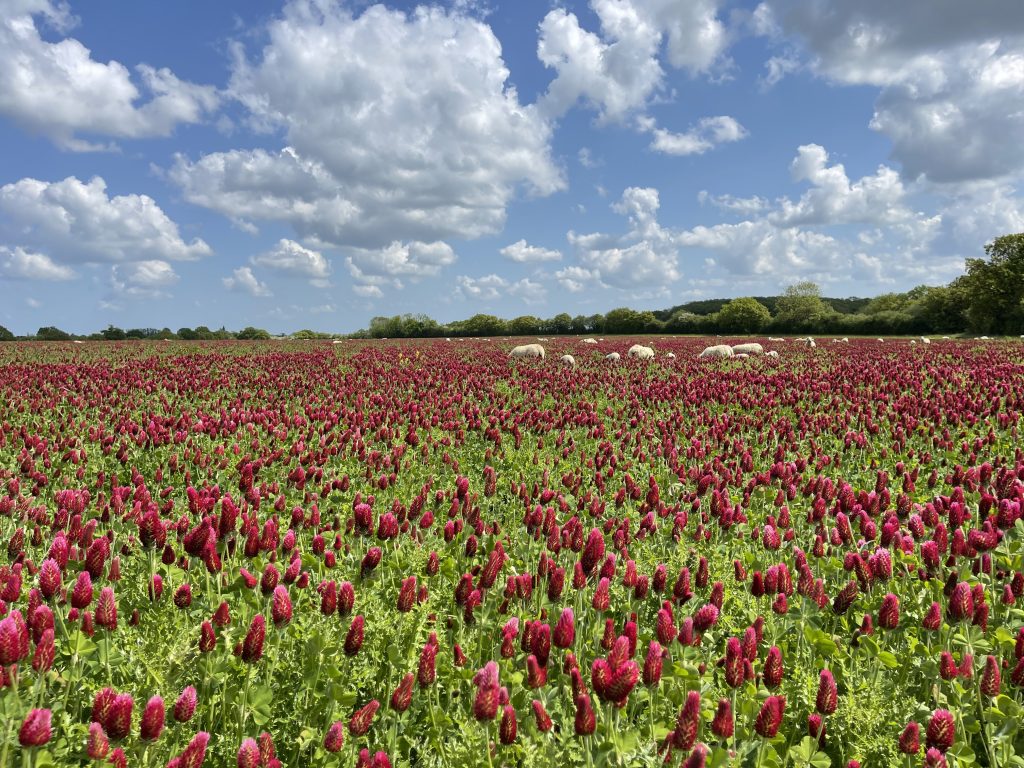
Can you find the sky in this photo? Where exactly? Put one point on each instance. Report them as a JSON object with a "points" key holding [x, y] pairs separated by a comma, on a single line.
{"points": [[316, 163]]}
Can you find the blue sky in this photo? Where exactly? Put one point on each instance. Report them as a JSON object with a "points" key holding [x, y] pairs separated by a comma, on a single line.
{"points": [[312, 164]]}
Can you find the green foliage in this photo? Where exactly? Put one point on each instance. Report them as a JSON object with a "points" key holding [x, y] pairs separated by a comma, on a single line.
{"points": [[994, 289], [50, 333], [250, 333], [746, 315], [800, 307], [5, 335]]}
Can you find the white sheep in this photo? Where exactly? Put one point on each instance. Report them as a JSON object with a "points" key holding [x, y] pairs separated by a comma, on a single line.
{"points": [[845, 340], [881, 339], [925, 340], [771, 353], [527, 350], [568, 360], [913, 342], [810, 343], [541, 339], [590, 341], [983, 338], [614, 357], [750, 348], [717, 351], [672, 355], [741, 356], [773, 338], [641, 352]]}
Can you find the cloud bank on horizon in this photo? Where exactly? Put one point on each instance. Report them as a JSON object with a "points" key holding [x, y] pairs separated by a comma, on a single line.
{"points": [[314, 163]]}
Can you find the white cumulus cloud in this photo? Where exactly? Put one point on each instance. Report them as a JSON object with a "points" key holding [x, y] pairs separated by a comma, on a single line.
{"points": [[26, 265], [243, 280], [58, 90], [405, 127], [525, 253], [292, 258], [79, 221]]}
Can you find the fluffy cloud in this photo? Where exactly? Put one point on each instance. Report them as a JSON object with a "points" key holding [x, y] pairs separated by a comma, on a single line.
{"points": [[244, 281], [405, 128], [26, 265], [744, 206], [758, 248], [292, 258], [576, 279], [947, 72], [707, 134], [647, 255], [839, 229], [79, 221], [413, 260], [618, 70], [833, 199], [148, 274], [60, 91], [524, 253], [493, 287], [141, 279]]}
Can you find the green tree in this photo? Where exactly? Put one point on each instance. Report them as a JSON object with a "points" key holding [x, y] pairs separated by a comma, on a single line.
{"points": [[746, 315], [113, 333], [6, 335], [483, 325], [994, 289], [801, 307], [50, 333], [682, 321], [253, 334], [623, 320], [942, 309], [559, 325], [524, 325]]}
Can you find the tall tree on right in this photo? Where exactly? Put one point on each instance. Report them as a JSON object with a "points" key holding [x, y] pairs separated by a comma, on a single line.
{"points": [[993, 289]]}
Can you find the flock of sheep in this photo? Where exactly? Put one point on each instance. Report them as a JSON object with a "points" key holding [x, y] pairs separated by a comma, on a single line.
{"points": [[640, 352], [718, 351]]}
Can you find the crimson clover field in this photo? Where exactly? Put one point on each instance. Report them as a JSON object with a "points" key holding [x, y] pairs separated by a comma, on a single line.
{"points": [[423, 553]]}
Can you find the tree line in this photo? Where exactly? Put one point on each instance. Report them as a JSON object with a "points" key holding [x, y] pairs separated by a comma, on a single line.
{"points": [[987, 299]]}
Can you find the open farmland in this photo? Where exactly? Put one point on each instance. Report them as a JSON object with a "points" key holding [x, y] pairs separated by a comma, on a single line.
{"points": [[426, 554]]}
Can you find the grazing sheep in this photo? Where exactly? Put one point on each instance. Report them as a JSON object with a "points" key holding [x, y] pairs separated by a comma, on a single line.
{"points": [[946, 338], [590, 341], [641, 352], [527, 350], [810, 343], [751, 348], [741, 356], [913, 342], [717, 351], [568, 360], [672, 355], [614, 357], [771, 353], [925, 340], [881, 339], [541, 339], [773, 338]]}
